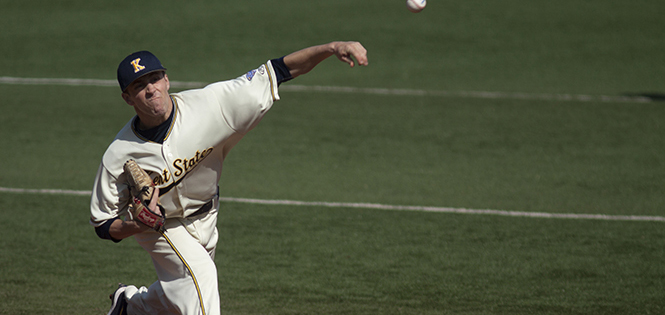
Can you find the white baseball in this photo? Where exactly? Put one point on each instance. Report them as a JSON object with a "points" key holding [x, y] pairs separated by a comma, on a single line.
{"points": [[416, 6]]}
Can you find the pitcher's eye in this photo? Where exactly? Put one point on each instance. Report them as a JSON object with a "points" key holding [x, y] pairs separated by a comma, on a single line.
{"points": [[156, 77]]}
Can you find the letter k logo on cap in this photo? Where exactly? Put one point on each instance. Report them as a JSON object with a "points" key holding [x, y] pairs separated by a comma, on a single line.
{"points": [[137, 67]]}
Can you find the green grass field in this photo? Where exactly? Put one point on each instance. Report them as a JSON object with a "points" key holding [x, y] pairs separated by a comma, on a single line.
{"points": [[524, 148]]}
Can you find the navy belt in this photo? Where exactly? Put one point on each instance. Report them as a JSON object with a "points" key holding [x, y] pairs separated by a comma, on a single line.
{"points": [[204, 209]]}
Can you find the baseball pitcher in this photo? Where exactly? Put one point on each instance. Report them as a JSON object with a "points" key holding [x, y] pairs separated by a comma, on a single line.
{"points": [[157, 181]]}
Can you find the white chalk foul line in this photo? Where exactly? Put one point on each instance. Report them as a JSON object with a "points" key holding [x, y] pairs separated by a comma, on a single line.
{"points": [[85, 82], [355, 90], [470, 94], [524, 214], [46, 191]]}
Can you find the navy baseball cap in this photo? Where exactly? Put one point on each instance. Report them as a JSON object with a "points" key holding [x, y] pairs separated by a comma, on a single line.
{"points": [[137, 65]]}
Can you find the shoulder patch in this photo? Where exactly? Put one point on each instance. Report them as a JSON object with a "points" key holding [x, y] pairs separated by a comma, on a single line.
{"points": [[250, 75]]}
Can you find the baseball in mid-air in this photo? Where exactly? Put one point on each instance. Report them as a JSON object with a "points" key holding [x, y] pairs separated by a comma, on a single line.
{"points": [[416, 6]]}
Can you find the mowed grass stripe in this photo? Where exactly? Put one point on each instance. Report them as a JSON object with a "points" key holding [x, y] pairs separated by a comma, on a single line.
{"points": [[355, 90], [524, 214]]}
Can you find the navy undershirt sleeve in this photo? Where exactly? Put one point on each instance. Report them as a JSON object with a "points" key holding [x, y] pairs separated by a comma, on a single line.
{"points": [[103, 231], [281, 70]]}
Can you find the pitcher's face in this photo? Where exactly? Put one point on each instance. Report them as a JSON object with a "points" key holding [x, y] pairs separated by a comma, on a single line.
{"points": [[149, 95]]}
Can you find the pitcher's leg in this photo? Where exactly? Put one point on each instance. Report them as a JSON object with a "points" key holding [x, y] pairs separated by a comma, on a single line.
{"points": [[197, 292], [187, 276]]}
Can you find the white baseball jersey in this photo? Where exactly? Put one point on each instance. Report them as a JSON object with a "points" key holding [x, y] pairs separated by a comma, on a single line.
{"points": [[187, 166]]}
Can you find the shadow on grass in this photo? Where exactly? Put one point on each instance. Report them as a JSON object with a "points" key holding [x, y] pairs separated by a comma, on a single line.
{"points": [[656, 97]]}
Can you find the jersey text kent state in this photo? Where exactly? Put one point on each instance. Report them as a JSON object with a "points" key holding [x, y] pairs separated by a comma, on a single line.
{"points": [[182, 166]]}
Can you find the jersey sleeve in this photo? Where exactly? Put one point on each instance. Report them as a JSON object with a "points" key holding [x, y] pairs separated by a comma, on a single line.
{"points": [[108, 200], [245, 100]]}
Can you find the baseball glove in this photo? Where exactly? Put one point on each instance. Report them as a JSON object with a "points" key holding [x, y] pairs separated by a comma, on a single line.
{"points": [[142, 189]]}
